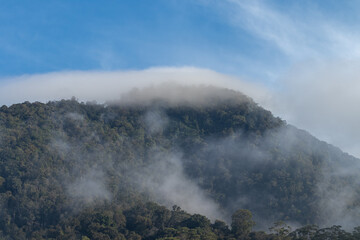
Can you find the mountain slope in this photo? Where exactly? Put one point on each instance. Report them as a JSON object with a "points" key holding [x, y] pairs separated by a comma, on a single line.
{"points": [[211, 155]]}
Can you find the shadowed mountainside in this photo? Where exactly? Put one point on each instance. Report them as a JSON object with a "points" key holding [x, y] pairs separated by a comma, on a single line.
{"points": [[67, 167]]}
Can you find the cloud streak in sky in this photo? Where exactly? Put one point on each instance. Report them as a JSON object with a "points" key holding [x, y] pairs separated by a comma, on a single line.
{"points": [[299, 33]]}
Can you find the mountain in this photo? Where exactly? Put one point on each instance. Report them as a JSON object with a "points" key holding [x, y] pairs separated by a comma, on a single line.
{"points": [[71, 170]]}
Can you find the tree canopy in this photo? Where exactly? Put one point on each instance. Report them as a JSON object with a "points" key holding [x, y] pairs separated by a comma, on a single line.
{"points": [[71, 170]]}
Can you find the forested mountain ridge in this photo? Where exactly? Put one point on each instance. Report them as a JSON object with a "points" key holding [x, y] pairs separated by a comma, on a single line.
{"points": [[74, 170]]}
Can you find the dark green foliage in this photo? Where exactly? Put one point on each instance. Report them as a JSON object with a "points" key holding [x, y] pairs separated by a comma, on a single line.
{"points": [[242, 223], [67, 171]]}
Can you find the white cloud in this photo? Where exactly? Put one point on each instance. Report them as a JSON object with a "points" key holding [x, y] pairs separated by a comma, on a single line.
{"points": [[104, 86], [323, 98], [299, 33]]}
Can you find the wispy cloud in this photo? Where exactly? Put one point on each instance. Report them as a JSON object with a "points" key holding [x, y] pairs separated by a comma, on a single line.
{"points": [[297, 33]]}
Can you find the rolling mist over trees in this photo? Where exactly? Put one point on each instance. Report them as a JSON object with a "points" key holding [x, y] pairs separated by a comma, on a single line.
{"points": [[170, 163]]}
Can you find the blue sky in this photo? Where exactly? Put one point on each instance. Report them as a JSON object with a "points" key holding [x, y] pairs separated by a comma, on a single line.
{"points": [[44, 36], [255, 39], [300, 59]]}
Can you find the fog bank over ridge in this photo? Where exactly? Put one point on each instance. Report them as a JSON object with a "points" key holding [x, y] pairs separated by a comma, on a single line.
{"points": [[320, 97], [109, 86]]}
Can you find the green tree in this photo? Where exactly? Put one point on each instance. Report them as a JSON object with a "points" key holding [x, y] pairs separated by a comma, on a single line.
{"points": [[281, 230], [242, 223]]}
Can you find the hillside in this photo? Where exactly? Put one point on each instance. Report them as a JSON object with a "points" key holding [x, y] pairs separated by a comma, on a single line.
{"points": [[101, 171]]}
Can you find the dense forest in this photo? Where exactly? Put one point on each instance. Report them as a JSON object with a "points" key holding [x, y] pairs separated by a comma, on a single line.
{"points": [[156, 168]]}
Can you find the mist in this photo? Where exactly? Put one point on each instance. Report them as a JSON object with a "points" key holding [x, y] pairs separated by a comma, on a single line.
{"points": [[165, 181], [322, 97], [88, 188], [174, 94], [155, 121], [338, 203], [319, 96], [164, 175], [161, 177], [336, 191], [84, 184]]}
